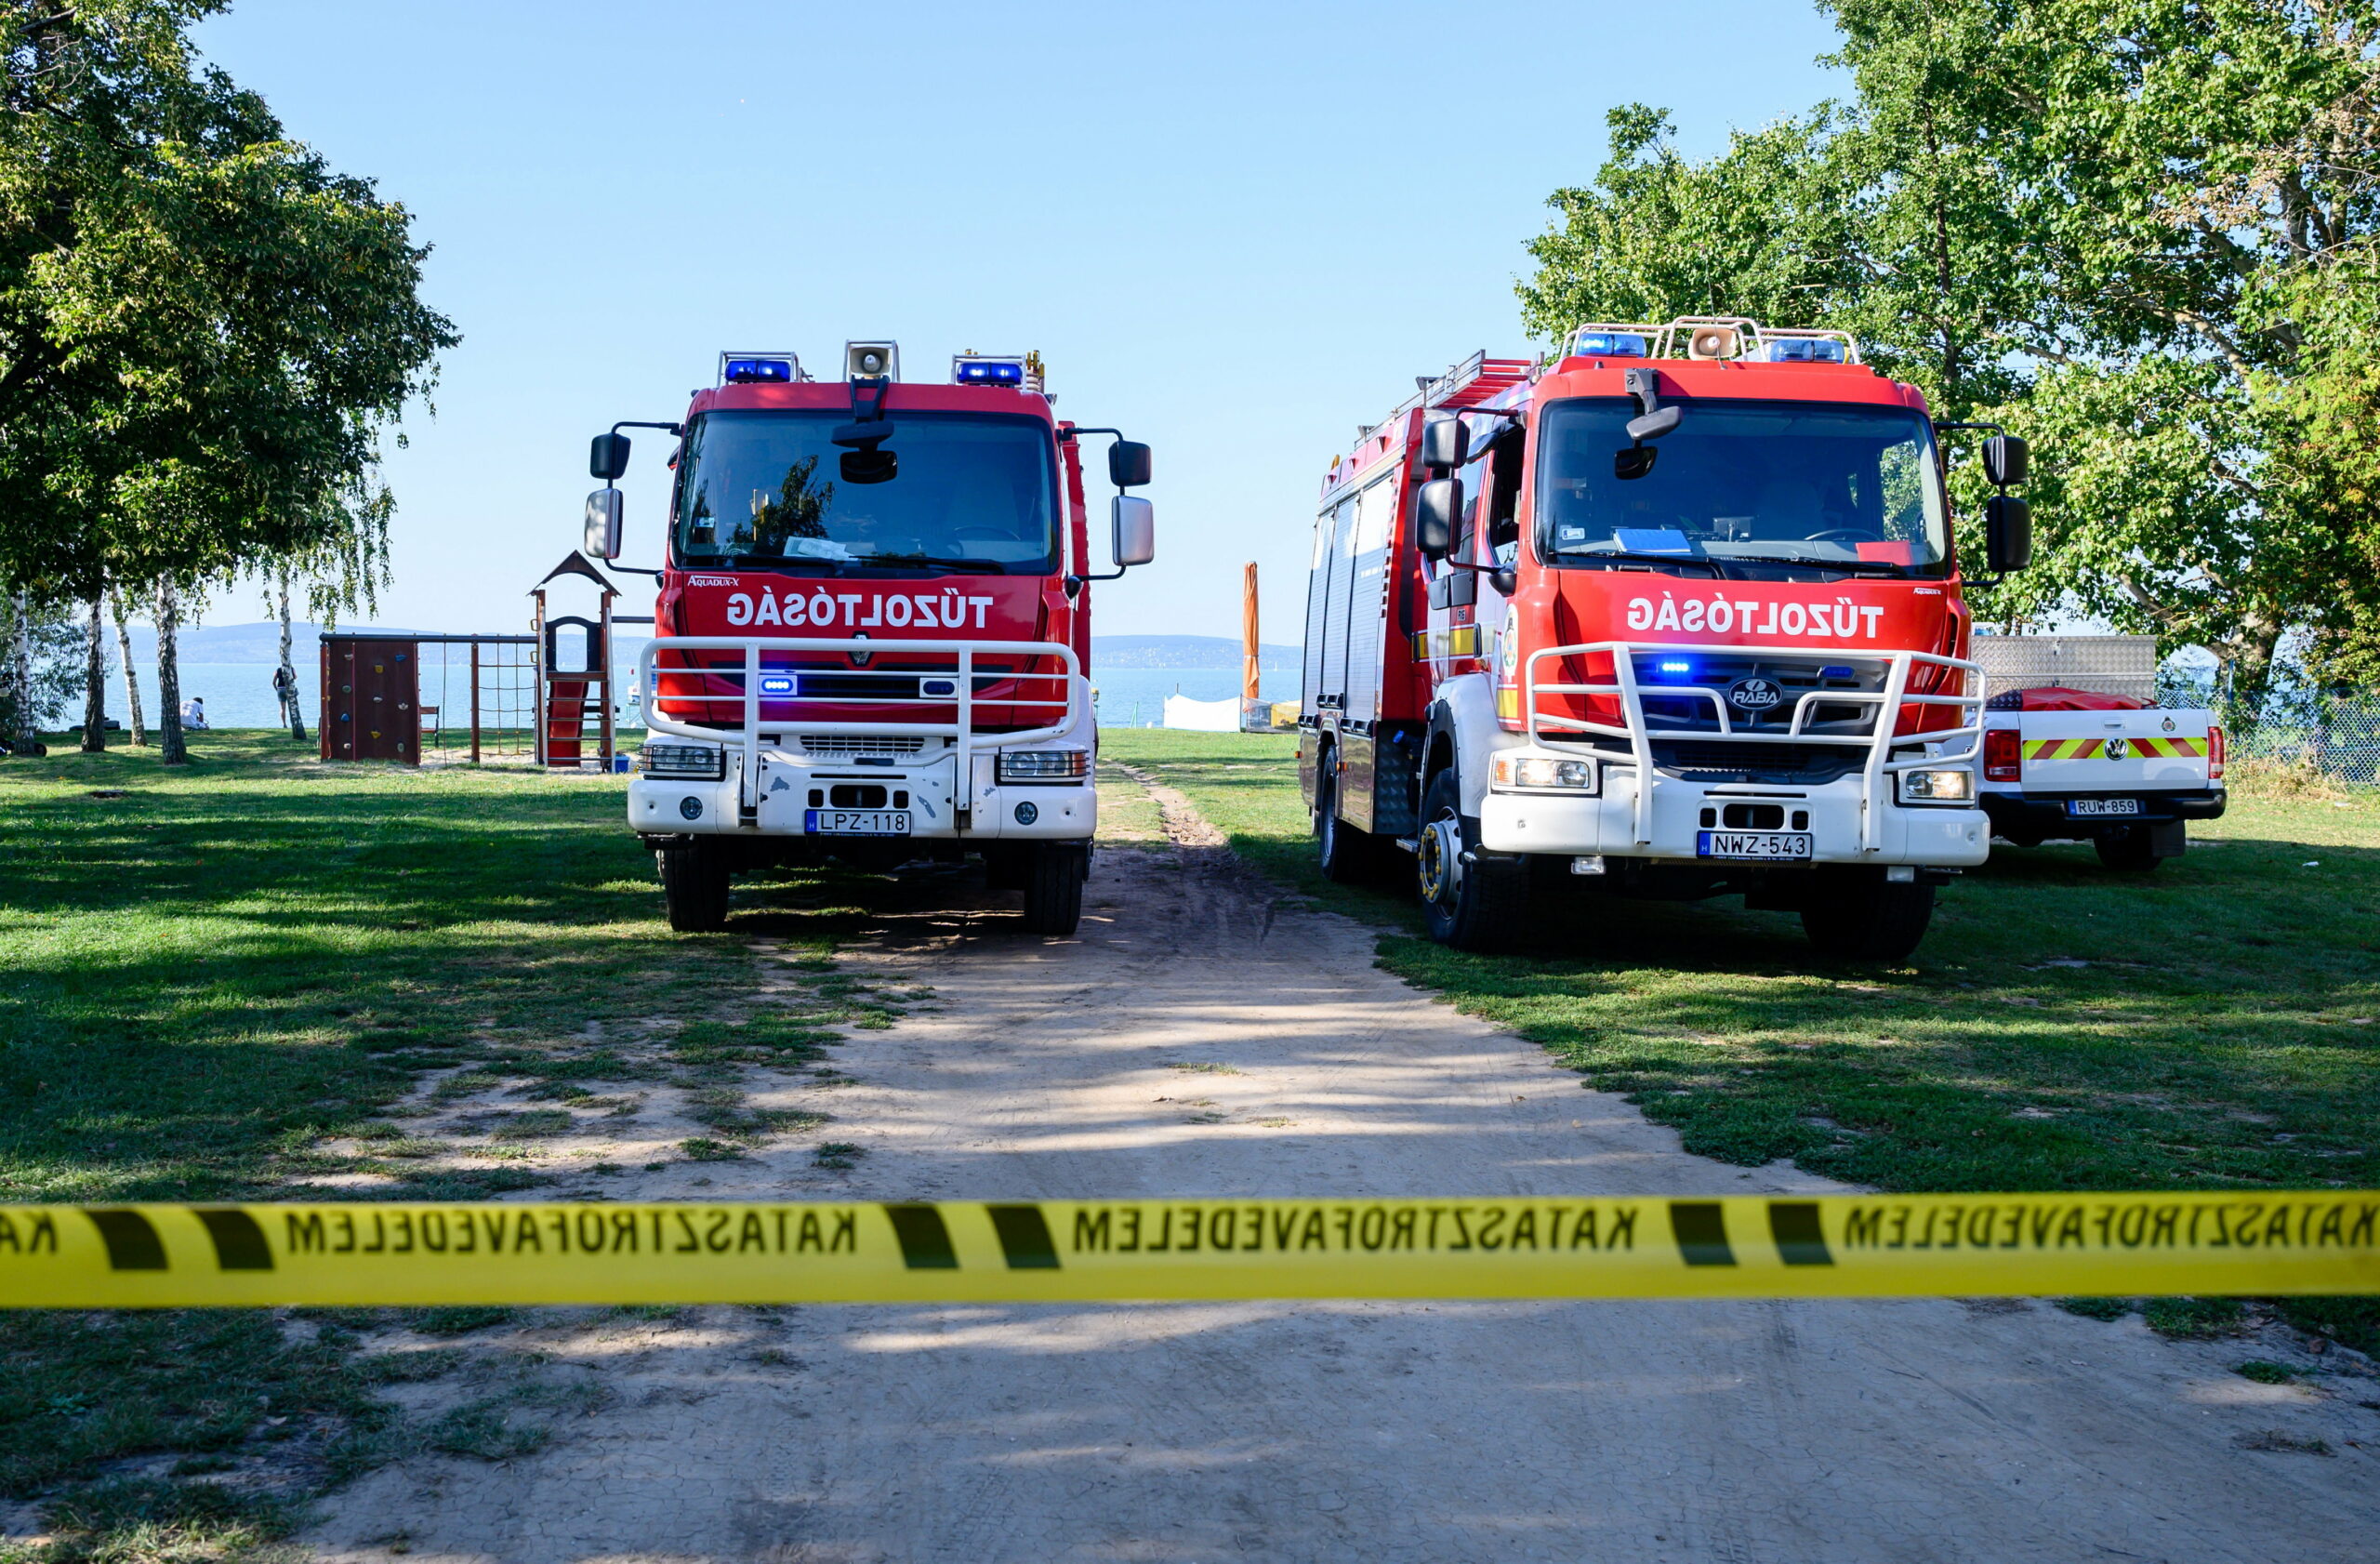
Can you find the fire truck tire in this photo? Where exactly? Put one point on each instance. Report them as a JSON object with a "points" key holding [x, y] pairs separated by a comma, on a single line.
{"points": [[1053, 877], [694, 885], [1475, 905], [1857, 915], [2129, 849], [1349, 857]]}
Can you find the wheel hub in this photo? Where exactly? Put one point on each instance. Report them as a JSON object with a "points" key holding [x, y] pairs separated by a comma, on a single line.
{"points": [[1440, 852]]}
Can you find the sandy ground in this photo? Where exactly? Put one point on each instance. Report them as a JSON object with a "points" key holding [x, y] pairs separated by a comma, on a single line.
{"points": [[1743, 1432]]}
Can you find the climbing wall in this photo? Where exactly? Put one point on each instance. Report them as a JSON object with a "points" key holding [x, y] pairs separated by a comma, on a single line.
{"points": [[371, 701]]}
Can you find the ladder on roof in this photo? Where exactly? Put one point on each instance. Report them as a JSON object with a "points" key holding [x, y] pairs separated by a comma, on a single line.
{"points": [[1476, 379]]}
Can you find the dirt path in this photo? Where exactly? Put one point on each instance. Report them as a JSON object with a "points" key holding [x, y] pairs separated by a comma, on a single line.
{"points": [[1202, 1038]]}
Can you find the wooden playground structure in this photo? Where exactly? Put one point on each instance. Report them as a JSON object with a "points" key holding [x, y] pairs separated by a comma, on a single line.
{"points": [[548, 698]]}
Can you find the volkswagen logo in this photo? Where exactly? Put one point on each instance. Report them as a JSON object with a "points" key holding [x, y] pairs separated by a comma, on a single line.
{"points": [[2118, 749], [1754, 695]]}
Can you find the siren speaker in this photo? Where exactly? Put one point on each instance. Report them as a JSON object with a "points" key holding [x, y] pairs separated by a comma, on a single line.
{"points": [[868, 360], [1712, 341]]}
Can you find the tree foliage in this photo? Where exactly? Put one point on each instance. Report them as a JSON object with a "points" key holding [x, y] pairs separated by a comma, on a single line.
{"points": [[204, 328], [2141, 231]]}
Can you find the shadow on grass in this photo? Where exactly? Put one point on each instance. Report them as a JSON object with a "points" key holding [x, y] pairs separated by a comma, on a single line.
{"points": [[202, 976]]}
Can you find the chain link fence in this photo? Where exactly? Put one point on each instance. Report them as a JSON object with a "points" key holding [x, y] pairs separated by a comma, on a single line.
{"points": [[2329, 732]]}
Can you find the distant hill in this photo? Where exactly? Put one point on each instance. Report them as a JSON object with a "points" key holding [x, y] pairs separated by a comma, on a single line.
{"points": [[261, 643], [1183, 651]]}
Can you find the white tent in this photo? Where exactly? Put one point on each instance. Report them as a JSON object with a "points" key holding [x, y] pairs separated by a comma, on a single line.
{"points": [[1202, 716]]}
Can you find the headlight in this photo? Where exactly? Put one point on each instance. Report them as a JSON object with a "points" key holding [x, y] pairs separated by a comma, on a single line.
{"points": [[1938, 787], [1542, 771], [1044, 765], [696, 762]]}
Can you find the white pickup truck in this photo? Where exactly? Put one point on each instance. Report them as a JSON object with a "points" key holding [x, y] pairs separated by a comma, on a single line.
{"points": [[2075, 748]]}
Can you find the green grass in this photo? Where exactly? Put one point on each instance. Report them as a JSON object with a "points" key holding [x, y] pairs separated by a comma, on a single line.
{"points": [[202, 976], [2214, 1025], [209, 974]]}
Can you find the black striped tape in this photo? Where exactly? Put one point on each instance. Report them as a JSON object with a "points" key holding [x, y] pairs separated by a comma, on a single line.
{"points": [[1838, 1245]]}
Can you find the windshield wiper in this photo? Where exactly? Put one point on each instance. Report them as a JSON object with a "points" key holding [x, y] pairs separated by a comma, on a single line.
{"points": [[1706, 561], [773, 562], [1847, 567], [977, 567]]}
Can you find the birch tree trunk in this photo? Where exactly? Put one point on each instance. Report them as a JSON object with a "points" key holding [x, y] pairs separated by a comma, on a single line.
{"points": [[293, 708], [132, 729], [26, 740], [95, 681], [170, 748]]}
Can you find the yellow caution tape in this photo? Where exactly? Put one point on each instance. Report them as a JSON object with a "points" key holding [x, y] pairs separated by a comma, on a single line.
{"points": [[1061, 1251]]}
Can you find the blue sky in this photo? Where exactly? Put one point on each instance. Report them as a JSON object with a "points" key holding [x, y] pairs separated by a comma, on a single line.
{"points": [[1235, 231]]}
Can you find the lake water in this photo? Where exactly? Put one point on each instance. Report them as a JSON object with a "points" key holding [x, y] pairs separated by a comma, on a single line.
{"points": [[240, 695]]}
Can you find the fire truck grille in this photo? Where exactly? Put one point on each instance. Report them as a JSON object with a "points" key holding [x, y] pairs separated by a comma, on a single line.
{"points": [[861, 744], [1793, 679], [1783, 764]]}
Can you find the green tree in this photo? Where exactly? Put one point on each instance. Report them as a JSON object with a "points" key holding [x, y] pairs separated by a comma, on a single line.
{"points": [[203, 329], [1752, 232], [2142, 232], [2184, 193]]}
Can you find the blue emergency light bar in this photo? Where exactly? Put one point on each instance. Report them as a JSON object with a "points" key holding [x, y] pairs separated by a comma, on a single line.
{"points": [[1802, 350], [1607, 344], [1678, 666], [987, 372], [776, 684], [756, 371]]}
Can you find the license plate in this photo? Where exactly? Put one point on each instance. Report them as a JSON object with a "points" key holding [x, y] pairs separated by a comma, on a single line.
{"points": [[2078, 808], [1752, 844], [855, 822]]}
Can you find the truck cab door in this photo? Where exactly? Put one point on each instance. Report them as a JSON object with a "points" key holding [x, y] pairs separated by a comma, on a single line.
{"points": [[1464, 608]]}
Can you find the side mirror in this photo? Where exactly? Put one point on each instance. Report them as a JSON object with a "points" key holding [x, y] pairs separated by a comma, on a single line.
{"points": [[607, 456], [1442, 443], [1435, 505], [2006, 459], [1134, 523], [1653, 425], [1505, 579], [2008, 534], [1633, 461], [1128, 464], [603, 539]]}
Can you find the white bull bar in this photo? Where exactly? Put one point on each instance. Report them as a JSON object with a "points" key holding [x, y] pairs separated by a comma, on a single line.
{"points": [[962, 732], [1878, 741]]}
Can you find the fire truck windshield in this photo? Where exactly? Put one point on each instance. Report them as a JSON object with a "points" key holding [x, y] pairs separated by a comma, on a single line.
{"points": [[975, 493], [1743, 485]]}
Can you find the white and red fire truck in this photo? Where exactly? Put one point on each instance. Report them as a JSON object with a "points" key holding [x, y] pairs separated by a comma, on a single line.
{"points": [[873, 627], [1677, 613]]}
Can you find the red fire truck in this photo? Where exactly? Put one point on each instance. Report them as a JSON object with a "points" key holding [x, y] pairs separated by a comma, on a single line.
{"points": [[873, 627], [1676, 614]]}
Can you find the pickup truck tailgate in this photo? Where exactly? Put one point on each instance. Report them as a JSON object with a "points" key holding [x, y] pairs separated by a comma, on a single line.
{"points": [[2099, 750]]}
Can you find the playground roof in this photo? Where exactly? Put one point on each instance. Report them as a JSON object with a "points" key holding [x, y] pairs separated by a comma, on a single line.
{"points": [[576, 564]]}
